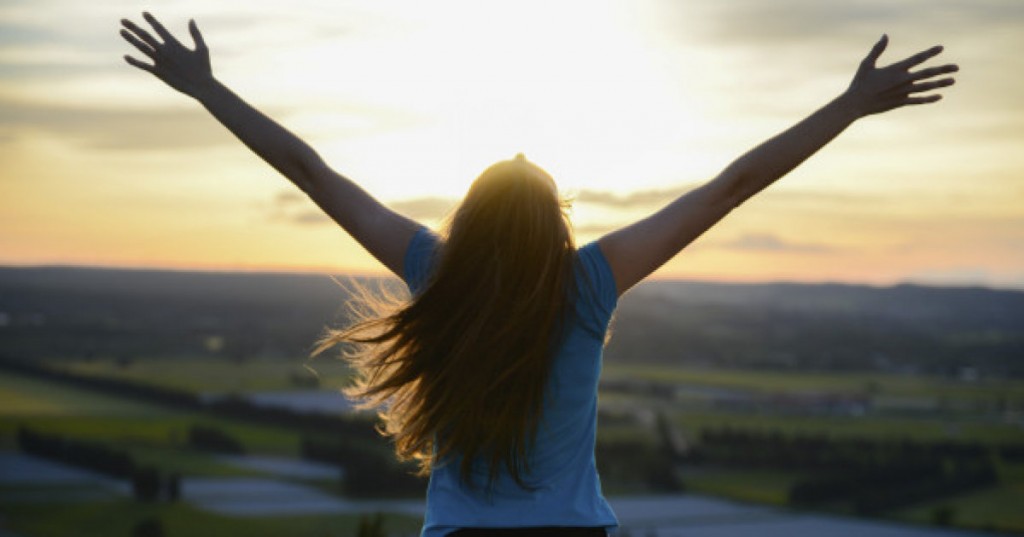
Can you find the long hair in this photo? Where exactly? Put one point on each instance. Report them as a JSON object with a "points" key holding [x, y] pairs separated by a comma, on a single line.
{"points": [[460, 369]]}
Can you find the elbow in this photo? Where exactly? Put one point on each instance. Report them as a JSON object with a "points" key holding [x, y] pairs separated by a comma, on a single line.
{"points": [[736, 198], [307, 168], [732, 190]]}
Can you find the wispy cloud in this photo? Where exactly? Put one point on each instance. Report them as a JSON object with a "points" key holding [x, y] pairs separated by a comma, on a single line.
{"points": [[766, 242], [309, 217], [754, 21], [638, 199], [289, 197], [110, 129], [293, 206], [428, 208], [596, 229]]}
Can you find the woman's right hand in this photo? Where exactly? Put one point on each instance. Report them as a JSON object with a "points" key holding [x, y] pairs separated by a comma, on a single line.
{"points": [[880, 89], [185, 70]]}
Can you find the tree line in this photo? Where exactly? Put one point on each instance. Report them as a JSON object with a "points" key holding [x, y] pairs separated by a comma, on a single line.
{"points": [[866, 474], [148, 484], [233, 407]]}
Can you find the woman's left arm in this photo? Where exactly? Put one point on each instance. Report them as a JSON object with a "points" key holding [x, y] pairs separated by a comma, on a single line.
{"points": [[383, 232]]}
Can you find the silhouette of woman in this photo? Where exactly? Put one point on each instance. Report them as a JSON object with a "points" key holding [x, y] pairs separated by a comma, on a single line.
{"points": [[488, 375]]}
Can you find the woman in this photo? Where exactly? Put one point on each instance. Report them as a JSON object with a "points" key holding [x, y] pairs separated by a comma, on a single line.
{"points": [[488, 375]]}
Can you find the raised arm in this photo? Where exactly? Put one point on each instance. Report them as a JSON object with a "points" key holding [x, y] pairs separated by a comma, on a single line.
{"points": [[637, 250], [383, 232]]}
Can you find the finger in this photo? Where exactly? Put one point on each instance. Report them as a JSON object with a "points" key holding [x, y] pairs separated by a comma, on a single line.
{"points": [[921, 100], [143, 48], [934, 71], [919, 58], [876, 51], [167, 37], [928, 86], [144, 35], [196, 36], [137, 63]]}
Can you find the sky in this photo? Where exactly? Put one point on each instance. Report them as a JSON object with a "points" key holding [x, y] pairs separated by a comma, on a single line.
{"points": [[627, 104]]}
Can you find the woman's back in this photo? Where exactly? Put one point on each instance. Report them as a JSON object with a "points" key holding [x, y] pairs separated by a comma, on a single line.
{"points": [[562, 485]]}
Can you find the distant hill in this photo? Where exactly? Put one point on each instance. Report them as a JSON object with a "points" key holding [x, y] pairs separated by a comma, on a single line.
{"points": [[76, 312], [823, 326]]}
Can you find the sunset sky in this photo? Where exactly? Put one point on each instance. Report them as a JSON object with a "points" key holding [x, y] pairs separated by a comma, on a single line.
{"points": [[627, 104]]}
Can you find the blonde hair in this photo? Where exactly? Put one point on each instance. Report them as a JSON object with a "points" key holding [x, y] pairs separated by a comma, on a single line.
{"points": [[460, 369]]}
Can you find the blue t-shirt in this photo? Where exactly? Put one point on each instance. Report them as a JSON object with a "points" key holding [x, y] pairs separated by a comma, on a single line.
{"points": [[565, 489]]}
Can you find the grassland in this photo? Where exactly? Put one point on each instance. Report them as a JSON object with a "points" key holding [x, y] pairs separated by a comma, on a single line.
{"points": [[205, 375], [156, 435], [153, 435], [118, 518], [150, 433], [25, 397], [986, 431], [972, 416], [842, 382]]}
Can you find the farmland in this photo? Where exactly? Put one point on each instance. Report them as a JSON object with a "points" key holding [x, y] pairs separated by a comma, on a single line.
{"points": [[661, 402]]}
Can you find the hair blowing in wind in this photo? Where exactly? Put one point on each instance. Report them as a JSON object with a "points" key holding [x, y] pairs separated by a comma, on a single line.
{"points": [[461, 368]]}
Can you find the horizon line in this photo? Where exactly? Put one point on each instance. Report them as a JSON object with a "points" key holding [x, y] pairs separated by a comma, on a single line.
{"points": [[324, 271]]}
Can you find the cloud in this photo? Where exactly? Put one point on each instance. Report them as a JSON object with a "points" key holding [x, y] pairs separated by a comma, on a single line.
{"points": [[287, 204], [599, 228], [426, 208], [310, 217], [111, 129], [793, 47], [654, 199], [806, 20], [765, 242], [293, 206], [954, 275], [16, 33], [289, 197], [640, 198]]}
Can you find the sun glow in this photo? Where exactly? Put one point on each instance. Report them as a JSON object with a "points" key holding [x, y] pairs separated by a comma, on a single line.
{"points": [[575, 90], [626, 104]]}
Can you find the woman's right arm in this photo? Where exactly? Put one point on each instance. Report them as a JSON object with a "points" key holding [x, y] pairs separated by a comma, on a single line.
{"points": [[635, 251], [383, 232]]}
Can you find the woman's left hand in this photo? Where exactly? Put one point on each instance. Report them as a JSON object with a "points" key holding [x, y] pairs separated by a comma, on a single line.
{"points": [[185, 70]]}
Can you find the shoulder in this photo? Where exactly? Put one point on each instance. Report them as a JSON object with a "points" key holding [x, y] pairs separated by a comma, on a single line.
{"points": [[595, 281], [419, 258]]}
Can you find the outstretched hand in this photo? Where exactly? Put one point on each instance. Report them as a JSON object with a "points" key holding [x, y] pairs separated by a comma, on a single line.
{"points": [[880, 89], [186, 70]]}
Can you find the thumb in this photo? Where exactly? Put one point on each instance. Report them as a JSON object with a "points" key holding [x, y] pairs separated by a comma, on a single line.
{"points": [[876, 51], [196, 36]]}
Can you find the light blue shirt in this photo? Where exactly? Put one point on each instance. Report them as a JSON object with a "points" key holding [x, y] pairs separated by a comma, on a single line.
{"points": [[565, 489]]}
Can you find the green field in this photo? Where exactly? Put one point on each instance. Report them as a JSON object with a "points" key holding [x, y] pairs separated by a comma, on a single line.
{"points": [[758, 486], [25, 397], [157, 435], [152, 435], [1000, 508], [118, 518], [853, 426], [205, 375], [842, 382]]}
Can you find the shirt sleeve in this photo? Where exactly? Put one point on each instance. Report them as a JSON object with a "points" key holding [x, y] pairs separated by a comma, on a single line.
{"points": [[597, 284], [419, 259]]}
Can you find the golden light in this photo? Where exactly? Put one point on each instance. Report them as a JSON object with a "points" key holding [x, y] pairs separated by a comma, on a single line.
{"points": [[105, 165]]}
